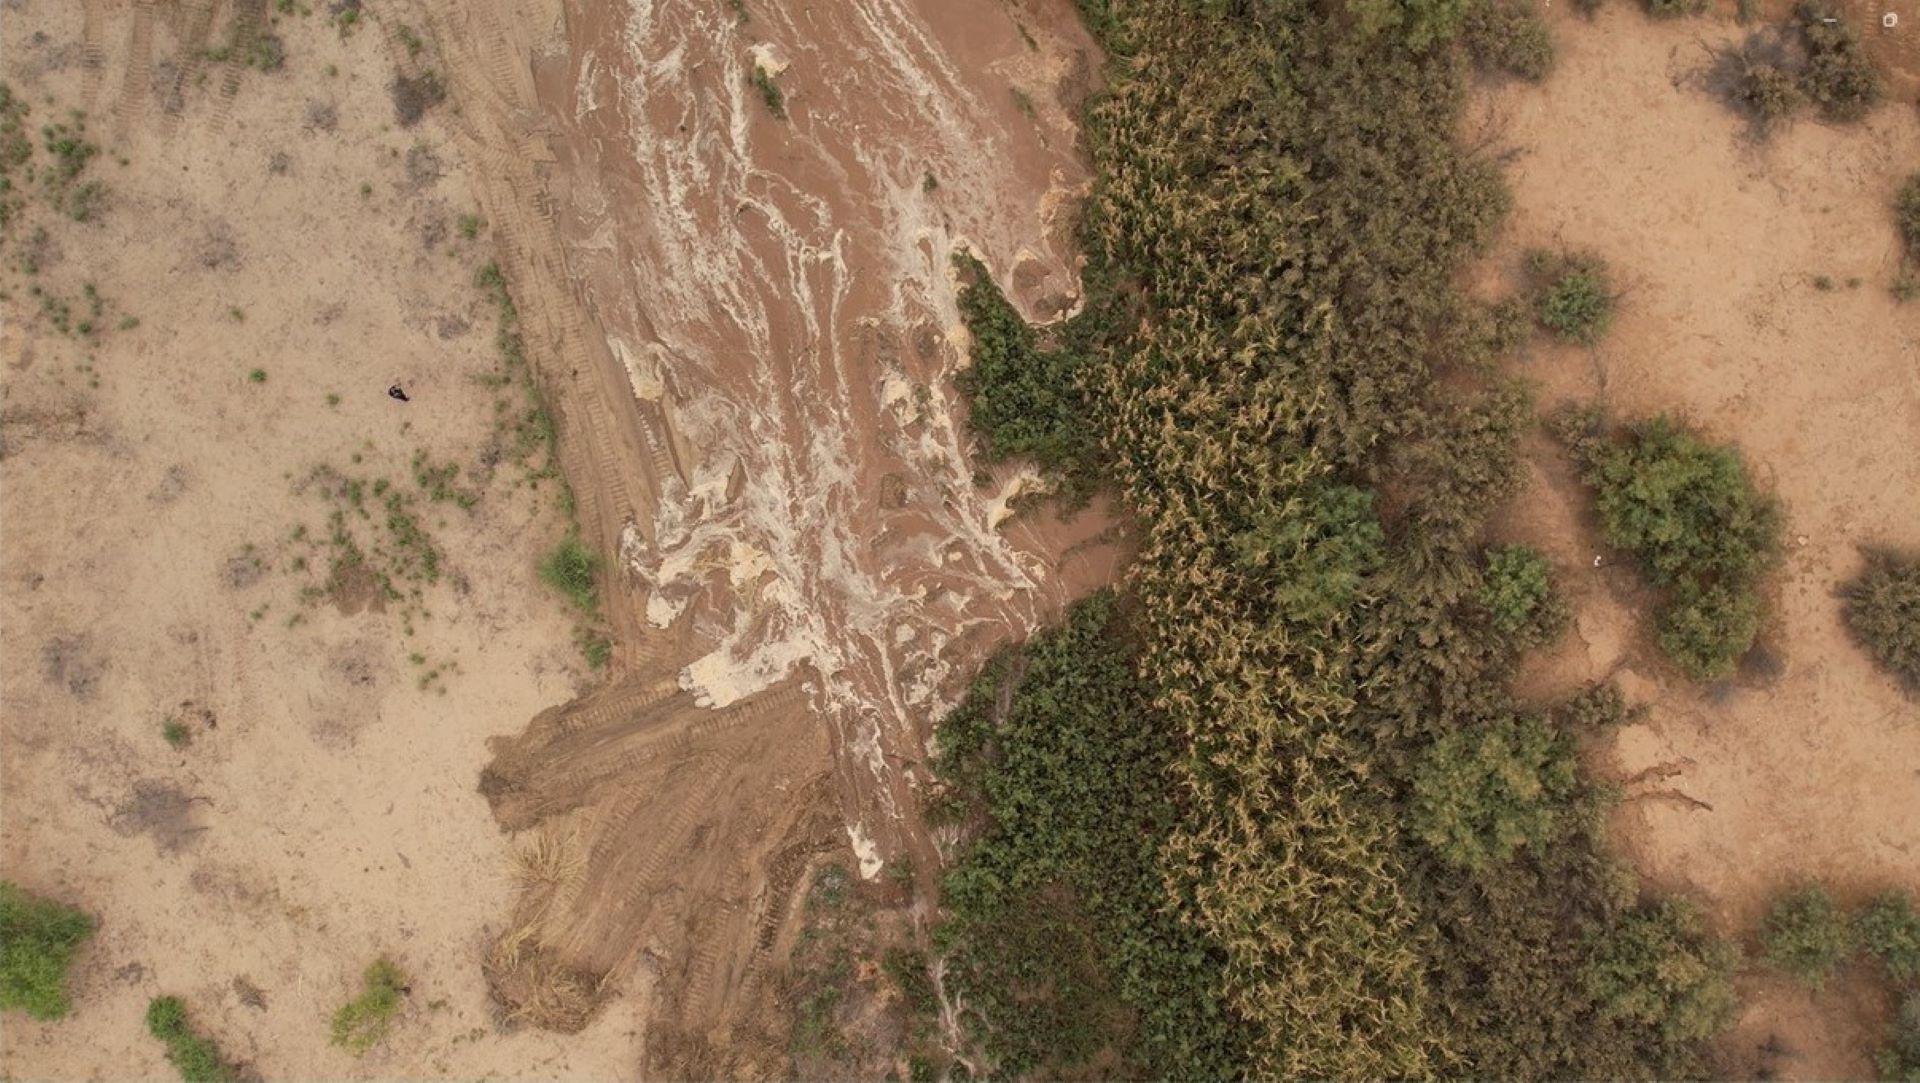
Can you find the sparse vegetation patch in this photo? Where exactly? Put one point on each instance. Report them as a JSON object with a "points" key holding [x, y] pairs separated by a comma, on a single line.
{"points": [[191, 1053], [571, 568], [775, 101], [37, 940], [361, 1023]]}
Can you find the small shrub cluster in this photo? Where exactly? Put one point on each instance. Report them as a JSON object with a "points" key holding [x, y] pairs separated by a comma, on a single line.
{"points": [[1597, 707], [1883, 612], [1575, 301], [1906, 214], [413, 95], [1839, 78], [1687, 512], [1769, 77], [360, 1023], [193, 1055], [1807, 935], [67, 143], [570, 568], [37, 940], [1508, 36], [1763, 80]]}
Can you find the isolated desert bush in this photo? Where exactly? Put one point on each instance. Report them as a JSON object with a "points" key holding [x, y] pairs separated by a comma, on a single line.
{"points": [[1574, 300], [570, 568], [1482, 793], [770, 94], [1839, 76], [1883, 612], [37, 940], [1657, 967], [1687, 512], [1906, 213], [360, 1023], [1806, 935], [1890, 932], [1763, 79], [1706, 629], [1508, 36]]}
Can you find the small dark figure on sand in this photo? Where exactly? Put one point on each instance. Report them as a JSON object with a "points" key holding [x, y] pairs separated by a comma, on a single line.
{"points": [[395, 392]]}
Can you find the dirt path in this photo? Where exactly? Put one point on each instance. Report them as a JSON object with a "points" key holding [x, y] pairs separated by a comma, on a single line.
{"points": [[751, 327], [1809, 766]]}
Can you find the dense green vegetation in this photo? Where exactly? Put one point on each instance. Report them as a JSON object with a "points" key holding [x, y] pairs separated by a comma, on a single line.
{"points": [[1686, 511], [360, 1023], [1807, 936], [1658, 968], [192, 1054], [1057, 913], [1883, 612], [1334, 845], [37, 940], [1026, 400]]}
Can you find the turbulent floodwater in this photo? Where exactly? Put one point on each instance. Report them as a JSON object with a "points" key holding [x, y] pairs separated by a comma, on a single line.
{"points": [[782, 297]]}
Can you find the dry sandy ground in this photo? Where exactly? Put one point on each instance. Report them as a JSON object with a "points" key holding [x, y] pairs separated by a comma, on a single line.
{"points": [[1811, 771], [325, 811]]}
